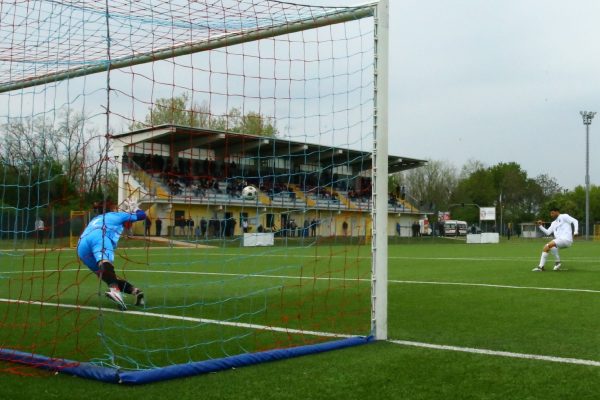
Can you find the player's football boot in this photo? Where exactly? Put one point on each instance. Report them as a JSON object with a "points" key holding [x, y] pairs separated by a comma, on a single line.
{"points": [[538, 269], [139, 298], [117, 298], [557, 266]]}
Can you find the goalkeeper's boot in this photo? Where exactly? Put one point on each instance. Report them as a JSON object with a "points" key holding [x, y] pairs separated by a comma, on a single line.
{"points": [[557, 266], [538, 269], [117, 298], [139, 298]]}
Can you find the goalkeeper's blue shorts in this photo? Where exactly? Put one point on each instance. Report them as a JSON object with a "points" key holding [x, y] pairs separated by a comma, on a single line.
{"points": [[94, 248]]}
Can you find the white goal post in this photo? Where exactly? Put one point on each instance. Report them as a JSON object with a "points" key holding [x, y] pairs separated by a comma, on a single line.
{"points": [[380, 174], [180, 105]]}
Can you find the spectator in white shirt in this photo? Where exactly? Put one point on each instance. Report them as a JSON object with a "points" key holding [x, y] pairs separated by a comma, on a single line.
{"points": [[39, 230]]}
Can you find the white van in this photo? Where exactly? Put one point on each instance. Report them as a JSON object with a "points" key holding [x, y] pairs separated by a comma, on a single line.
{"points": [[451, 227]]}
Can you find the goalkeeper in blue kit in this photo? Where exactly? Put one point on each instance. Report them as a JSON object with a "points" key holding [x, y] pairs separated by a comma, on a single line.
{"points": [[96, 248]]}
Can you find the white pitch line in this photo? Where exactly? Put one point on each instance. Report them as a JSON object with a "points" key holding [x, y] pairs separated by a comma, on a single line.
{"points": [[160, 251], [181, 318], [487, 352], [496, 286], [564, 360], [312, 278], [368, 257]]}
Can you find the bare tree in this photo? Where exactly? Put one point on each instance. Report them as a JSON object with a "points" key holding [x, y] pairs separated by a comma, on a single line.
{"points": [[548, 184], [26, 140], [470, 167], [71, 141], [432, 185]]}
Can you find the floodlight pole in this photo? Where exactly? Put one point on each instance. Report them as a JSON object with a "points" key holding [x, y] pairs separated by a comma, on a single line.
{"points": [[587, 121]]}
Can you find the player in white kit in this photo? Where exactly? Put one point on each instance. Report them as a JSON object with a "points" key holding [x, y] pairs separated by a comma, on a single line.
{"points": [[563, 227]]}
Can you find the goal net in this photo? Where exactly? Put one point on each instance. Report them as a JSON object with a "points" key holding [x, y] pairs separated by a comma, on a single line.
{"points": [[179, 105]]}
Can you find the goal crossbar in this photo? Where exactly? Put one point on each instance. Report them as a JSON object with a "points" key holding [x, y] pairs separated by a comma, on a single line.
{"points": [[229, 39]]}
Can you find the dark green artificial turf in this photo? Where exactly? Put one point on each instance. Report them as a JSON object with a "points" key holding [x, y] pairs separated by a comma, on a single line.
{"points": [[437, 295]]}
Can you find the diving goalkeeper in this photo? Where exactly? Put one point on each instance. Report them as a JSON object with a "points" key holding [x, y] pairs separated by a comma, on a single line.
{"points": [[96, 248]]}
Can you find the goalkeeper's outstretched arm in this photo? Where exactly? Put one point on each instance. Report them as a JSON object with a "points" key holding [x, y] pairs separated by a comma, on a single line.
{"points": [[131, 207]]}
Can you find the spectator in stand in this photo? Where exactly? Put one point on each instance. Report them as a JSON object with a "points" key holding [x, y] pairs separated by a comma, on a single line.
{"points": [[203, 227], [147, 226], [415, 228], [245, 225], [158, 225], [197, 233], [128, 228], [180, 223], [190, 226], [39, 230], [229, 227], [198, 191]]}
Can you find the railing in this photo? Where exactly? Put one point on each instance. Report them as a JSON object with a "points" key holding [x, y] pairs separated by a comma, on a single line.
{"points": [[296, 198]]}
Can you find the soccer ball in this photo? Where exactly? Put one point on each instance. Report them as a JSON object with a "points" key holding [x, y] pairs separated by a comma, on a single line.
{"points": [[249, 193]]}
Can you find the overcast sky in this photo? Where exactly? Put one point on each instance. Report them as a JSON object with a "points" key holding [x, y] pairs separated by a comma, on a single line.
{"points": [[496, 81], [492, 80]]}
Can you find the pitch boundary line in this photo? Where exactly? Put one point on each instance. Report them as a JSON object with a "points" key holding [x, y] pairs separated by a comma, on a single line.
{"points": [[182, 318], [485, 285], [361, 257], [496, 353], [495, 286], [487, 352], [368, 257]]}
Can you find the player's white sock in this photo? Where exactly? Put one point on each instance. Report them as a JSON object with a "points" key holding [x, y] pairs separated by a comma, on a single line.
{"points": [[543, 258], [554, 251]]}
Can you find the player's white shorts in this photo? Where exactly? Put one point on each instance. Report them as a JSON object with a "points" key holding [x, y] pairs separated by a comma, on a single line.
{"points": [[562, 243]]}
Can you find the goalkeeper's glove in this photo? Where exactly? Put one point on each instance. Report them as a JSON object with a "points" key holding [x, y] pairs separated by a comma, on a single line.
{"points": [[130, 206], [133, 206]]}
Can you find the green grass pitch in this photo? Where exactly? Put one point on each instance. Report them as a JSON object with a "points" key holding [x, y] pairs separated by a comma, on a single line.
{"points": [[445, 293]]}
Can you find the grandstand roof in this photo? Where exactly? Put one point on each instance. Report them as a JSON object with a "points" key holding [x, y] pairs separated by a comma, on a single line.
{"points": [[180, 138]]}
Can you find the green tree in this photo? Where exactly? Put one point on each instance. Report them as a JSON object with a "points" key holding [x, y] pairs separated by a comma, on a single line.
{"points": [[572, 202], [180, 110], [477, 188], [171, 111], [255, 124], [514, 189], [517, 197]]}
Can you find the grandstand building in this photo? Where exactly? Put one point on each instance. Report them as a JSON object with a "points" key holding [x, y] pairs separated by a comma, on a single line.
{"points": [[193, 177]]}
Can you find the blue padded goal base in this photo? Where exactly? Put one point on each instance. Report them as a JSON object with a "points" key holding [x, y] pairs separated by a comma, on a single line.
{"points": [[137, 377]]}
